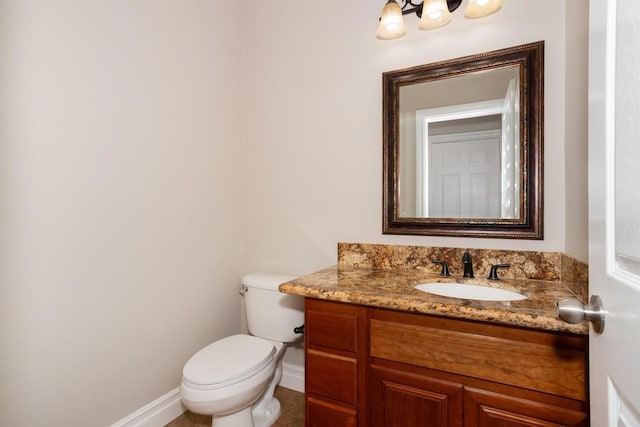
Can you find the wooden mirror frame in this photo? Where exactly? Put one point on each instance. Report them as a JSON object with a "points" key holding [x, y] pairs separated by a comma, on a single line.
{"points": [[530, 60]]}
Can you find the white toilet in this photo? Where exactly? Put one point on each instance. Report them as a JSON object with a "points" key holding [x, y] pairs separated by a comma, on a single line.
{"points": [[234, 378]]}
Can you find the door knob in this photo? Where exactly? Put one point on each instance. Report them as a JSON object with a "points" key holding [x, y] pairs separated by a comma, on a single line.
{"points": [[571, 310]]}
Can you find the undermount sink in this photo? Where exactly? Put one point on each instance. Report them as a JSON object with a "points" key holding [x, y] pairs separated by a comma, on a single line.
{"points": [[464, 291]]}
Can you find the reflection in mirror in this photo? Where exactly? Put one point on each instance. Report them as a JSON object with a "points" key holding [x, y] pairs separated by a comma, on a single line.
{"points": [[463, 146], [459, 146]]}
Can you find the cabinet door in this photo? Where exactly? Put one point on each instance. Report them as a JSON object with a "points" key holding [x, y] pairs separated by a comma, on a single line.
{"points": [[488, 409], [403, 399]]}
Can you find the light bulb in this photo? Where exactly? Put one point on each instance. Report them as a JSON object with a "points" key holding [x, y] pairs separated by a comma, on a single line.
{"points": [[391, 22], [481, 8], [435, 14]]}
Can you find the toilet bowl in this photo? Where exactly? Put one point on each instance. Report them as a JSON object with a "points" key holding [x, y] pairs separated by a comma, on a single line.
{"points": [[234, 378]]}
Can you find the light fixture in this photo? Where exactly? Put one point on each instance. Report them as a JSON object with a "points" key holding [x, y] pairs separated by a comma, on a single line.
{"points": [[481, 8], [391, 22], [432, 13], [435, 14]]}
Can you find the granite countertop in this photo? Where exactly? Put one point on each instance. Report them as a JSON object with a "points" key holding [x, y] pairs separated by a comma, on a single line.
{"points": [[393, 289]]}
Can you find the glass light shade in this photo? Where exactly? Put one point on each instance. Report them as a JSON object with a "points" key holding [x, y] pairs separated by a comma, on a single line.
{"points": [[391, 22], [435, 14], [480, 8]]}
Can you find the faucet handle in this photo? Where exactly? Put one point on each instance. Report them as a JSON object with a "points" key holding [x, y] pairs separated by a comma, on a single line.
{"points": [[493, 274], [445, 267], [467, 265]]}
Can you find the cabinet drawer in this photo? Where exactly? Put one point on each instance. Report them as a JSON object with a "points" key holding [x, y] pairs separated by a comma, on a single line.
{"points": [[332, 325], [320, 413], [520, 358], [332, 376]]}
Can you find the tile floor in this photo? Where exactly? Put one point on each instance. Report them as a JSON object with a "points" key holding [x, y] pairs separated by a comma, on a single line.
{"points": [[292, 412]]}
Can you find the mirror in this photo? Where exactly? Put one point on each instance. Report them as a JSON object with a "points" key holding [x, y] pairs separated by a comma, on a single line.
{"points": [[463, 142]]}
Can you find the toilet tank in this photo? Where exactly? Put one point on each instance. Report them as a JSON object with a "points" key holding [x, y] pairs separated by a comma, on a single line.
{"points": [[270, 313]]}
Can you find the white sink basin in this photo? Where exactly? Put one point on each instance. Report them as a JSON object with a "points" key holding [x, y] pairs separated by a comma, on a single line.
{"points": [[463, 291]]}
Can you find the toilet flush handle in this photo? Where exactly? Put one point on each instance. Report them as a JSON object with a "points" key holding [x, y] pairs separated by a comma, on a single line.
{"points": [[243, 289], [299, 329]]}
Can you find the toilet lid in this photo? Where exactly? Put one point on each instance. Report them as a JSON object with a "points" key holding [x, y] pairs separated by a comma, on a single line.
{"points": [[229, 360]]}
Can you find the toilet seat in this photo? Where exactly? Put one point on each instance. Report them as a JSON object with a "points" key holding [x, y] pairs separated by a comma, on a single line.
{"points": [[228, 361]]}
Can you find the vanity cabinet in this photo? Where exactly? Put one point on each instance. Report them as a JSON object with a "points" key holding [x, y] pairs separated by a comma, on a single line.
{"points": [[335, 366], [376, 367]]}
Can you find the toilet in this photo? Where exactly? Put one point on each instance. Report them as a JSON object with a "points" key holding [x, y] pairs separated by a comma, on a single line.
{"points": [[234, 378]]}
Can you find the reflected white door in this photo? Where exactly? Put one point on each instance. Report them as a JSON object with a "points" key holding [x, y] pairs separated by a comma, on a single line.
{"points": [[464, 175], [614, 209]]}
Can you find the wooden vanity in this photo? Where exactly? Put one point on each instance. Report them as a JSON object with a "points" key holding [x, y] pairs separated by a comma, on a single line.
{"points": [[381, 353], [376, 367]]}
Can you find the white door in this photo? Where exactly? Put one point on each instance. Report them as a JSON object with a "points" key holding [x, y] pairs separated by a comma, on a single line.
{"points": [[510, 152], [614, 209], [464, 175]]}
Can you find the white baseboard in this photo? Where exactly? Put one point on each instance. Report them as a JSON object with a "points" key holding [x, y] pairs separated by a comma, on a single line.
{"points": [[292, 377], [157, 413], [166, 408]]}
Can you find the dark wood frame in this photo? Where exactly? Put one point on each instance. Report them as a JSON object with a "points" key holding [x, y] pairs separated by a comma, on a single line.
{"points": [[530, 60]]}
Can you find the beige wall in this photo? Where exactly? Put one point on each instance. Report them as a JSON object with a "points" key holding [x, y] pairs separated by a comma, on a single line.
{"points": [[576, 137], [121, 136], [130, 205], [313, 151]]}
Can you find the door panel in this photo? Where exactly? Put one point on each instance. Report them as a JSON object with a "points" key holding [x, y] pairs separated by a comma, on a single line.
{"points": [[614, 209], [488, 409], [401, 399], [465, 176]]}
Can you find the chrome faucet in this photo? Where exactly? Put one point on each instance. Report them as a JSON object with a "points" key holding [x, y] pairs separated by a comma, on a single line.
{"points": [[468, 265]]}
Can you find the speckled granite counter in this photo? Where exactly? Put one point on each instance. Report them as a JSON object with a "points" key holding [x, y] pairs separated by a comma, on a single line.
{"points": [[393, 289], [384, 276]]}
